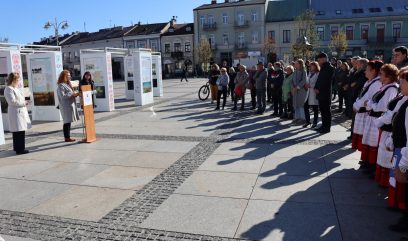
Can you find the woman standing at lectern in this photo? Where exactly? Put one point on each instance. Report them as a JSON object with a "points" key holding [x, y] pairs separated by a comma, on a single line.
{"points": [[67, 104], [87, 80]]}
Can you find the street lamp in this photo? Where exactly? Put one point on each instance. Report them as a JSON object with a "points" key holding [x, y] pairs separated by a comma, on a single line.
{"points": [[63, 25]]}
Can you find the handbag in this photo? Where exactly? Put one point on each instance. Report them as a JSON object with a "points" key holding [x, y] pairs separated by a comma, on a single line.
{"points": [[238, 90]]}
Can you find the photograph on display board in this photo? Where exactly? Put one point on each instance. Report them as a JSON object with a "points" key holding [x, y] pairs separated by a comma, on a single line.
{"points": [[41, 74], [3, 83], [154, 72], [95, 66], [130, 85], [100, 92], [147, 74]]}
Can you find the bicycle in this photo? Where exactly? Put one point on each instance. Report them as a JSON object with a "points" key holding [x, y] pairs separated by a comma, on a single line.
{"points": [[204, 91]]}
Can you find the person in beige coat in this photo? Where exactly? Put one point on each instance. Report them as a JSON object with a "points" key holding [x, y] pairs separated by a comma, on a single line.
{"points": [[18, 117], [67, 104]]}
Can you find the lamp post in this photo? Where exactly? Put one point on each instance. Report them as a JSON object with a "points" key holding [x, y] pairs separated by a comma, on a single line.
{"points": [[63, 25]]}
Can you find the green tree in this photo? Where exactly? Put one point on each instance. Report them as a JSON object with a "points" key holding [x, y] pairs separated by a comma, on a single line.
{"points": [[306, 26], [339, 43], [204, 54], [269, 48]]}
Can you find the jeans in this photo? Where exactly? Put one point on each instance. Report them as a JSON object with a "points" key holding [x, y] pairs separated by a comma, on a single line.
{"points": [[242, 101], [224, 93], [261, 99], [315, 113]]}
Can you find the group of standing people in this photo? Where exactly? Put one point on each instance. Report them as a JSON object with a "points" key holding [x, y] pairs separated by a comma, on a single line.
{"points": [[380, 124], [291, 90], [18, 117]]}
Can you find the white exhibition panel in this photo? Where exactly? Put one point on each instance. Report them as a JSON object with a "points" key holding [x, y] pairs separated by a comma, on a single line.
{"points": [[10, 61], [43, 71], [143, 84], [129, 73], [99, 64], [157, 76], [2, 140]]}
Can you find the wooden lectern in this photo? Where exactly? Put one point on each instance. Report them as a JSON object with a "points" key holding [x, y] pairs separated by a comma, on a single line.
{"points": [[87, 108]]}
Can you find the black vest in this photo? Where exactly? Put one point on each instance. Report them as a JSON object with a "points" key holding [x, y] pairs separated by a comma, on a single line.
{"points": [[365, 90], [399, 136], [391, 106], [377, 97]]}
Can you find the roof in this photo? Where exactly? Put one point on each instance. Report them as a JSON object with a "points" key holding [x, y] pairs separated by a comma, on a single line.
{"points": [[285, 10], [102, 34], [53, 41], [371, 8], [180, 29], [147, 29], [230, 4]]}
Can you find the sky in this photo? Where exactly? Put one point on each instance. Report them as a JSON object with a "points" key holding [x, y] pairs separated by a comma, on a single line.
{"points": [[22, 21]]}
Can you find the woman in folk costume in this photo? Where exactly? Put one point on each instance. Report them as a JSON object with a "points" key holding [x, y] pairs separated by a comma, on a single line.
{"points": [[397, 141], [400, 146], [371, 86], [376, 107]]}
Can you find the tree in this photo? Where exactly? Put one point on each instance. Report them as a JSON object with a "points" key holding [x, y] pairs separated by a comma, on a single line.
{"points": [[204, 53], [269, 49], [306, 25], [339, 43]]}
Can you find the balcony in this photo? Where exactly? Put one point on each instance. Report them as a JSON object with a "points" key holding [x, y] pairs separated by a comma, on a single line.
{"points": [[241, 46], [241, 24], [177, 55], [210, 26]]}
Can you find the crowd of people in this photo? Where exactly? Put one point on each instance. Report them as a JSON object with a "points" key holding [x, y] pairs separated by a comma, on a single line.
{"points": [[372, 93]]}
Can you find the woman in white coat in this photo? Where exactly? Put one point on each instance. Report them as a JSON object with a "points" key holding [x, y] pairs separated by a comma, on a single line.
{"points": [[311, 100], [17, 113], [67, 104]]}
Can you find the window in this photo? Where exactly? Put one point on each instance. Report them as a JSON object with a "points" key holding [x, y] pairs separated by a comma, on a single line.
{"points": [[69, 56], [188, 29], [141, 44], [286, 36], [210, 19], [202, 20], [319, 13], [224, 18], [153, 45], [380, 33], [130, 44], [338, 12], [320, 33], [396, 30], [349, 32], [241, 19], [167, 48], [374, 10], [241, 38], [76, 54], [334, 30], [255, 37], [364, 32], [254, 16], [211, 40], [187, 47], [390, 9], [177, 47], [225, 39], [271, 35], [358, 10]]}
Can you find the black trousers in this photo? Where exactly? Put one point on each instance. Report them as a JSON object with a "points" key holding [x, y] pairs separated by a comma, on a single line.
{"points": [[67, 130], [349, 103], [324, 106], [315, 112], [342, 99], [231, 91], [253, 97], [19, 141], [242, 101], [184, 76], [277, 101], [224, 93], [269, 91]]}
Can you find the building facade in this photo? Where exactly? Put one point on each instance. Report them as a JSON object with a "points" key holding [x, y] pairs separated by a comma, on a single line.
{"points": [[234, 29], [177, 49]]}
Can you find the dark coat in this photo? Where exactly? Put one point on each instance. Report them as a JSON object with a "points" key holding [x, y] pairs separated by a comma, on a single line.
{"points": [[341, 79], [277, 78], [358, 79], [324, 82], [214, 74]]}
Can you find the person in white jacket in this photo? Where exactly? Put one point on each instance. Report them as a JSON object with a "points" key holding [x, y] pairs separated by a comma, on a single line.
{"points": [[371, 86], [376, 107], [18, 117]]}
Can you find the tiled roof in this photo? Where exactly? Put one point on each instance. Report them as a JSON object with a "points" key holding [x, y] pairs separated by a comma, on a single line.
{"points": [[147, 29], [367, 8], [285, 10], [102, 34], [230, 4], [180, 29], [53, 40]]}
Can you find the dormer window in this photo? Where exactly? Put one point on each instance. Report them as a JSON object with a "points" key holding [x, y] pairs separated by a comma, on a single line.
{"points": [[358, 10], [188, 29], [375, 10], [338, 12]]}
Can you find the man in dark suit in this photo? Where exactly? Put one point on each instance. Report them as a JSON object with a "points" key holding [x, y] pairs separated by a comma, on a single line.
{"points": [[323, 89]]}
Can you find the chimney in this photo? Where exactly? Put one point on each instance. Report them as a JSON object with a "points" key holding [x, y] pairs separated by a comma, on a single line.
{"points": [[213, 1]]}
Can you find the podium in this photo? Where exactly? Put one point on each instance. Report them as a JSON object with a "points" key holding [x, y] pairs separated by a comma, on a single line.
{"points": [[87, 108]]}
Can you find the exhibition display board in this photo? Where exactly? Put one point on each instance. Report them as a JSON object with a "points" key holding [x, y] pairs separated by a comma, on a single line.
{"points": [[99, 64], [157, 75], [142, 77], [10, 61], [2, 140], [129, 82], [43, 72]]}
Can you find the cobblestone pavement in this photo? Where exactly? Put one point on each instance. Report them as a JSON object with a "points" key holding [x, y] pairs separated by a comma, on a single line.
{"points": [[210, 134]]}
